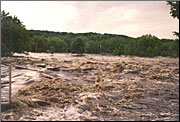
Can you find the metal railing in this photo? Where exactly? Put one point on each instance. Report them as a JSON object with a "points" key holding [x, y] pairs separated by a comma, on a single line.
{"points": [[3, 95]]}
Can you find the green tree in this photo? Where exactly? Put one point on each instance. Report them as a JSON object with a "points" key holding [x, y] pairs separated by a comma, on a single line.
{"points": [[144, 42], [78, 46], [119, 51], [174, 8], [51, 50], [58, 43], [174, 11], [13, 30], [4, 50], [174, 48], [156, 51], [92, 47], [61, 46], [126, 50], [150, 52], [165, 49], [39, 44]]}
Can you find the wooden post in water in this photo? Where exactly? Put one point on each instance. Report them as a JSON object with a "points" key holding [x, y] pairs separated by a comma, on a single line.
{"points": [[10, 41], [10, 84]]}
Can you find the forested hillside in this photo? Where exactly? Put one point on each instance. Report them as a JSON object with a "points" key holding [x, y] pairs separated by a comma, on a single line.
{"points": [[16, 38]]}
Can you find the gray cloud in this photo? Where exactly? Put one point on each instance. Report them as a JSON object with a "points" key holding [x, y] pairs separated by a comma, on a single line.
{"points": [[132, 18]]}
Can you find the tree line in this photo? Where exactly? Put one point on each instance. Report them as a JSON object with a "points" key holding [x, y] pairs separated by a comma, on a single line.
{"points": [[16, 38]]}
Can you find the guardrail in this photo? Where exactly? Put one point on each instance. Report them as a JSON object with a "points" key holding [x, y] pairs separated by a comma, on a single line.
{"points": [[3, 95]]}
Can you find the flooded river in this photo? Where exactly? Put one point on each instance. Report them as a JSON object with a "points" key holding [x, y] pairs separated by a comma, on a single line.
{"points": [[91, 87]]}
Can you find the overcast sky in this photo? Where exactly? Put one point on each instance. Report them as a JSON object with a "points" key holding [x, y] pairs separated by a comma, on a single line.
{"points": [[131, 18]]}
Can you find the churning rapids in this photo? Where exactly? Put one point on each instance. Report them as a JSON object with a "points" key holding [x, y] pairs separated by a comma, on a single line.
{"points": [[91, 87]]}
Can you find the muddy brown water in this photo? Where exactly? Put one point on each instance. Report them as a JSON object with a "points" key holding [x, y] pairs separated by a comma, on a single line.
{"points": [[123, 88]]}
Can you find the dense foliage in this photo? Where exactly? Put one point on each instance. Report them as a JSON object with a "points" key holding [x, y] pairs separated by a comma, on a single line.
{"points": [[77, 46], [174, 8], [94, 43], [14, 36], [174, 11]]}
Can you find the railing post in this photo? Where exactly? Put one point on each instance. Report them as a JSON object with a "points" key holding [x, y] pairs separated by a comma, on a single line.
{"points": [[10, 84]]}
